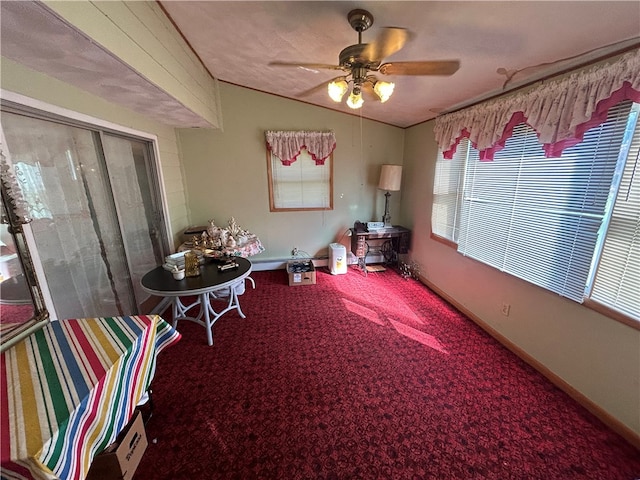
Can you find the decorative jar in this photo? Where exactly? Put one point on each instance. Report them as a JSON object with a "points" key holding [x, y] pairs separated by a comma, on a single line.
{"points": [[191, 264]]}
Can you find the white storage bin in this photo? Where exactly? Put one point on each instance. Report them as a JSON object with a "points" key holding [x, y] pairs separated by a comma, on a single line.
{"points": [[337, 259]]}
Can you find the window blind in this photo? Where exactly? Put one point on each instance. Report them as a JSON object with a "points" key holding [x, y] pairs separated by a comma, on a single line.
{"points": [[617, 279], [538, 218], [301, 185], [447, 192]]}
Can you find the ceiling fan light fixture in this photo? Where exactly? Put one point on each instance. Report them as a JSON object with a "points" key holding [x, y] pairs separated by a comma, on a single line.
{"points": [[337, 90], [384, 90], [355, 100], [359, 63]]}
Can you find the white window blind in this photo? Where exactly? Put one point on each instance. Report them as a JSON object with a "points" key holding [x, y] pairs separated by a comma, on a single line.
{"points": [[617, 280], [447, 193], [302, 185], [538, 218]]}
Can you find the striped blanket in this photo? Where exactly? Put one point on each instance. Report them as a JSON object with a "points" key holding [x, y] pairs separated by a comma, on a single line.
{"points": [[69, 388]]}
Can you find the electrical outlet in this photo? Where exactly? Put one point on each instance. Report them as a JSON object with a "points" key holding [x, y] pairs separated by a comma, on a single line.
{"points": [[294, 251], [505, 309]]}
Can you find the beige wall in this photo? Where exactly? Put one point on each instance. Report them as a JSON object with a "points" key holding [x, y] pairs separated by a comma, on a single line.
{"points": [[18, 79], [141, 35], [597, 356], [226, 172]]}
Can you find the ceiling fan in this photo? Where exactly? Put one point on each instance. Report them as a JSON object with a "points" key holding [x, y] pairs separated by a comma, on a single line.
{"points": [[361, 59]]}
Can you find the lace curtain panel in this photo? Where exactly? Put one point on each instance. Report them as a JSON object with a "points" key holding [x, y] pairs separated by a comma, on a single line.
{"points": [[92, 219], [286, 145], [8, 178], [560, 112]]}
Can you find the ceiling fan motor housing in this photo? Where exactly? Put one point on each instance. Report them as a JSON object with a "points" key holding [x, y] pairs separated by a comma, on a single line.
{"points": [[359, 75], [360, 20], [352, 56]]}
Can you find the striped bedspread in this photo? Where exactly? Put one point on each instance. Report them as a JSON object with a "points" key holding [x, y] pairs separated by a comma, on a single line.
{"points": [[69, 388]]}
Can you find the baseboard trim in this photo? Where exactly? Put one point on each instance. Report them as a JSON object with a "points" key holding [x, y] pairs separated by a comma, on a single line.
{"points": [[281, 263], [613, 423]]}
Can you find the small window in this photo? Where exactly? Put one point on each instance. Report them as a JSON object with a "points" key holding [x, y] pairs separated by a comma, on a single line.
{"points": [[303, 184]]}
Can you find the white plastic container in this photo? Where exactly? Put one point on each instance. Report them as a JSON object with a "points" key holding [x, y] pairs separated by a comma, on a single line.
{"points": [[337, 259]]}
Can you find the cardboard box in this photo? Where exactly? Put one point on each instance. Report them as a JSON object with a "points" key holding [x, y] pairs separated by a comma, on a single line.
{"points": [[301, 272], [120, 459]]}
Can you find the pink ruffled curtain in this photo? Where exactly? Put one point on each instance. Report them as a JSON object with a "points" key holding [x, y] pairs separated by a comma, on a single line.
{"points": [[287, 145], [561, 112]]}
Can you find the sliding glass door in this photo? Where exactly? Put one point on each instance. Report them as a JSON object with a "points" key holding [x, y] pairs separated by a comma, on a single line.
{"points": [[96, 223], [140, 216]]}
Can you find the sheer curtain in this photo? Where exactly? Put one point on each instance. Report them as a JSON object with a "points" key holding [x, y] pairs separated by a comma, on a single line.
{"points": [[77, 230], [128, 174]]}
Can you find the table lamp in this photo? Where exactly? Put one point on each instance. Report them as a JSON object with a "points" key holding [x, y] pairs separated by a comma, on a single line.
{"points": [[390, 177]]}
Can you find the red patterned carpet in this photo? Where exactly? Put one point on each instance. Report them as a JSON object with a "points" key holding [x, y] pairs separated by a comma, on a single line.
{"points": [[363, 378], [15, 313]]}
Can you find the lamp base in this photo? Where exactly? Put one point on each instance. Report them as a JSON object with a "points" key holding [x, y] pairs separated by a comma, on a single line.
{"points": [[386, 218]]}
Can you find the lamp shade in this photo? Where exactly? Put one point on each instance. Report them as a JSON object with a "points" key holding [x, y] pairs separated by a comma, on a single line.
{"points": [[390, 177], [383, 90], [337, 89], [355, 100]]}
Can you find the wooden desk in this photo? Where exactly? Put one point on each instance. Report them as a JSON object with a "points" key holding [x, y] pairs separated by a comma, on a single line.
{"points": [[68, 389], [396, 240], [211, 284]]}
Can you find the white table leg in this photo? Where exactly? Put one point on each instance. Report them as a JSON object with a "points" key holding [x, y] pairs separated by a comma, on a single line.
{"points": [[208, 315], [208, 324], [236, 302], [179, 310]]}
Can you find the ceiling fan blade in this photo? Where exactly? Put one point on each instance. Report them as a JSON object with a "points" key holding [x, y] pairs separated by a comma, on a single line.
{"points": [[318, 88], [436, 67], [308, 66], [390, 40]]}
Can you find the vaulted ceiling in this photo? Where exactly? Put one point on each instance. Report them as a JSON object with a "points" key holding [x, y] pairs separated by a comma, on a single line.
{"points": [[499, 44], [237, 40]]}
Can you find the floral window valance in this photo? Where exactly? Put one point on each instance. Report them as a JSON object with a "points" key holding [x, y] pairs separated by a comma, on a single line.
{"points": [[560, 112], [286, 145]]}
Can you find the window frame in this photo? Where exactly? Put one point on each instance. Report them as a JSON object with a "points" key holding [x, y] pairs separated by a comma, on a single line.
{"points": [[587, 301], [270, 177]]}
